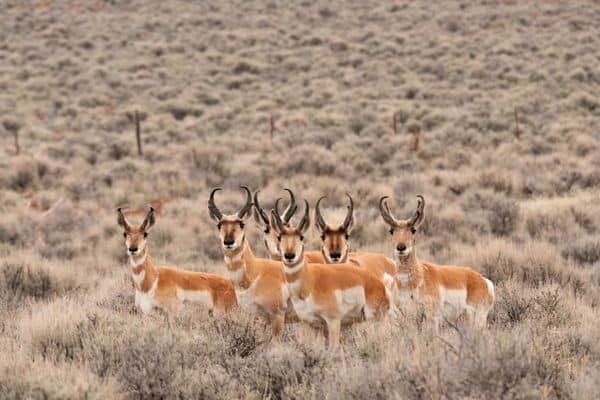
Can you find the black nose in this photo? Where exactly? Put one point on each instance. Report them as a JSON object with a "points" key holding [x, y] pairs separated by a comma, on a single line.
{"points": [[132, 249], [289, 256], [228, 242], [335, 255], [401, 247]]}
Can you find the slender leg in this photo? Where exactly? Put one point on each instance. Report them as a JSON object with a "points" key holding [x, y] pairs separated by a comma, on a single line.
{"points": [[277, 325], [333, 332]]}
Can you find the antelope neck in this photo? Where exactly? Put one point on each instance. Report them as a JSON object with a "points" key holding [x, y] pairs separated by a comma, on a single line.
{"points": [[294, 271], [143, 272], [241, 258]]}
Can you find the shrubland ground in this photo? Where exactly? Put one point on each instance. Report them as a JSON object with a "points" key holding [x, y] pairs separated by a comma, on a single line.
{"points": [[520, 206]]}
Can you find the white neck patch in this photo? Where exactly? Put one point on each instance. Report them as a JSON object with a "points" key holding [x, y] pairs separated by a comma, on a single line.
{"points": [[235, 258], [139, 278], [137, 263], [292, 270]]}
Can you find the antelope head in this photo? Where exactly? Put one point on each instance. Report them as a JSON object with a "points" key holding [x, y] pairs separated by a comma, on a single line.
{"points": [[290, 239], [230, 226], [135, 235], [335, 237], [403, 231], [269, 234]]}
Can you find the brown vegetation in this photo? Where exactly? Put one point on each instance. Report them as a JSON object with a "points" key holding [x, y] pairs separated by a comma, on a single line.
{"points": [[520, 208]]}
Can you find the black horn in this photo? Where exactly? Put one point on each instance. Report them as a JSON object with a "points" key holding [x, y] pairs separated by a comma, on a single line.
{"points": [[248, 206], [259, 210], [292, 207], [417, 216], [385, 211], [319, 220], [350, 215], [212, 208]]}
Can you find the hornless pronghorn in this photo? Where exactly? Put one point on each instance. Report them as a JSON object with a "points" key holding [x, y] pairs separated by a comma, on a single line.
{"points": [[260, 283], [270, 235], [166, 287], [441, 289], [333, 294], [335, 247]]}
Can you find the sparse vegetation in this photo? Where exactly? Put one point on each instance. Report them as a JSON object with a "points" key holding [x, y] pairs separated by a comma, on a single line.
{"points": [[517, 203]]}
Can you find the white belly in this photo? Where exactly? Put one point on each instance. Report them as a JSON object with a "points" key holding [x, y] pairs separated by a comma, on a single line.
{"points": [[202, 297], [307, 310], [453, 302], [352, 303]]}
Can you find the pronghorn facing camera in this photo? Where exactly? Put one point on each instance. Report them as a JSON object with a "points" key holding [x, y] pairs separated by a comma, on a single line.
{"points": [[335, 247], [334, 294], [443, 290], [260, 283], [165, 287], [270, 235]]}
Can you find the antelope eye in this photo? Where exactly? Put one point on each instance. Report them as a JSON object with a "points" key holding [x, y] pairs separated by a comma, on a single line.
{"points": [[124, 234], [301, 237], [322, 237], [347, 236], [242, 225], [413, 230], [392, 231], [219, 226], [266, 230], [279, 238], [145, 234]]}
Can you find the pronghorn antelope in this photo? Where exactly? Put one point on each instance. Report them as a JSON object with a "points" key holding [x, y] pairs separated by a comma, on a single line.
{"points": [[335, 246], [442, 289], [333, 294], [270, 235], [260, 283], [166, 287]]}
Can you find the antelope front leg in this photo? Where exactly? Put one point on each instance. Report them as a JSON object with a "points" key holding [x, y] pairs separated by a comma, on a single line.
{"points": [[333, 332], [277, 322]]}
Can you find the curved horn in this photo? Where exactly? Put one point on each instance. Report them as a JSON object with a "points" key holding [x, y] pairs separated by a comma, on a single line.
{"points": [[385, 211], [276, 217], [305, 221], [319, 220], [350, 214], [260, 211], [418, 214], [291, 210], [121, 218], [149, 220], [212, 208], [248, 206]]}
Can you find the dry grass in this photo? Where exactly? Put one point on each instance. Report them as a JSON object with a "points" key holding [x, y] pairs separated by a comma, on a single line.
{"points": [[208, 77]]}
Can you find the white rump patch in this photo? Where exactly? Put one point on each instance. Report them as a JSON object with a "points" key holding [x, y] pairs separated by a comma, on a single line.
{"points": [[490, 286]]}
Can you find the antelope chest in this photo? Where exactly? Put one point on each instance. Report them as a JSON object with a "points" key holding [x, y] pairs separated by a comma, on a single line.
{"points": [[247, 298], [145, 300]]}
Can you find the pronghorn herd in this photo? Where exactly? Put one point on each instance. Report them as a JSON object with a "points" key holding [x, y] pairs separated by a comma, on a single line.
{"points": [[324, 289]]}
